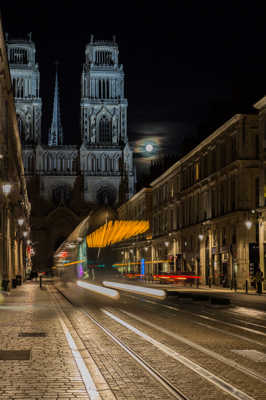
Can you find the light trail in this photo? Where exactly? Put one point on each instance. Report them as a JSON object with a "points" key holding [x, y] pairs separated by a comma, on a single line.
{"points": [[113, 294], [145, 291]]}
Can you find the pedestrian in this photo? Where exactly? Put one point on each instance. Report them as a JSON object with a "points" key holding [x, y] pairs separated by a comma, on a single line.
{"points": [[92, 270], [259, 279]]}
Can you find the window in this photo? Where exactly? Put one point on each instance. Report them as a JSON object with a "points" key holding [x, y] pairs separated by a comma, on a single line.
{"points": [[21, 128], [233, 202], [233, 144], [213, 193], [222, 199], [196, 171], [205, 166], [223, 237], [257, 147], [222, 155], [214, 160], [105, 130], [257, 192], [177, 218], [171, 219]]}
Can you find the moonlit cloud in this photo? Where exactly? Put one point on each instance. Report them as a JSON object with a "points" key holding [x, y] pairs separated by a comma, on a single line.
{"points": [[165, 136]]}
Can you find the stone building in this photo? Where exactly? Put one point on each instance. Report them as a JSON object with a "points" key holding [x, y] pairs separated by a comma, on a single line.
{"points": [[208, 209], [14, 203], [66, 181]]}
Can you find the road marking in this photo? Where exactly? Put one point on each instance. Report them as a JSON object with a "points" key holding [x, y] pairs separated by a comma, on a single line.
{"points": [[198, 347], [209, 326], [238, 394], [230, 333], [86, 376], [252, 355], [232, 325], [248, 312], [90, 373], [249, 323], [152, 371]]}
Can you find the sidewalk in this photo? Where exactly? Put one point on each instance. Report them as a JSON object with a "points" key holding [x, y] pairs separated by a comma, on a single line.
{"points": [[36, 361]]}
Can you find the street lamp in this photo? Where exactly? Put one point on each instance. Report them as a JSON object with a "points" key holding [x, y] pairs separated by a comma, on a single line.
{"points": [[6, 187], [248, 224], [21, 221], [25, 234], [200, 236]]}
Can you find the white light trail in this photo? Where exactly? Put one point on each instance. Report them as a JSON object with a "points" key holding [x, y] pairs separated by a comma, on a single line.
{"points": [[113, 294], [145, 291]]}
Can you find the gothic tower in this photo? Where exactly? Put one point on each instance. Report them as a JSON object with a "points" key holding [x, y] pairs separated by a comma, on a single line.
{"points": [[104, 124], [26, 86]]}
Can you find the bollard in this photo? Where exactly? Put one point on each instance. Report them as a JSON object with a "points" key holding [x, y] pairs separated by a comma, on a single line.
{"points": [[210, 283], [246, 287], [235, 285], [40, 281]]}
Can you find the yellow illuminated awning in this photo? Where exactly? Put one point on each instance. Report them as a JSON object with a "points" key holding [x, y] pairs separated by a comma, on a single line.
{"points": [[116, 231]]}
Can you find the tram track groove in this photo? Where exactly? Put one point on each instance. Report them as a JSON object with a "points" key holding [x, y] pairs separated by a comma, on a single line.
{"points": [[211, 377], [164, 382], [236, 365], [206, 325], [198, 347]]}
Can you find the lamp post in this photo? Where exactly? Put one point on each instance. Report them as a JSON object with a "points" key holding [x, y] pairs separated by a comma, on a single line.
{"points": [[6, 190], [258, 247], [200, 237]]}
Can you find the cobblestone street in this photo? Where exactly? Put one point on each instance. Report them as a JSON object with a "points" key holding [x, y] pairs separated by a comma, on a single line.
{"points": [[52, 348], [51, 371]]}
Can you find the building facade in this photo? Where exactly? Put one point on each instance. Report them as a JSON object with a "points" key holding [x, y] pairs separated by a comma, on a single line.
{"points": [[208, 209], [14, 204], [66, 181]]}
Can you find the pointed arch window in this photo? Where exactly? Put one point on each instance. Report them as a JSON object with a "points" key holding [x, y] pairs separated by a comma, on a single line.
{"points": [[31, 163], [105, 130], [21, 128], [93, 164]]}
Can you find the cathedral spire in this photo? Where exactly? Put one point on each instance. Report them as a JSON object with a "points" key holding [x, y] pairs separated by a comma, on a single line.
{"points": [[56, 132]]}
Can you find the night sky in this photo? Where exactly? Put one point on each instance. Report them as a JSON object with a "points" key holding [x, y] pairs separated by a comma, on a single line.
{"points": [[189, 65]]}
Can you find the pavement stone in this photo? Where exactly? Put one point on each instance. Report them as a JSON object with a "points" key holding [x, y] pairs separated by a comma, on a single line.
{"points": [[51, 372]]}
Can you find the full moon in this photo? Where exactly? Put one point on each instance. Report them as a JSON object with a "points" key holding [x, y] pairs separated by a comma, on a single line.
{"points": [[149, 147]]}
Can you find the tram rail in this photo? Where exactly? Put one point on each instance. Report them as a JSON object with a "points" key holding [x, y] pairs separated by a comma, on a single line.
{"points": [[172, 389]]}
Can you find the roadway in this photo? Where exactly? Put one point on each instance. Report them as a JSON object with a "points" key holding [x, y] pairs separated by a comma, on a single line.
{"points": [[181, 347]]}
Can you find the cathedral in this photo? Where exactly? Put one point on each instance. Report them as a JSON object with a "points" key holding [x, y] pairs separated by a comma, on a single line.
{"points": [[65, 182]]}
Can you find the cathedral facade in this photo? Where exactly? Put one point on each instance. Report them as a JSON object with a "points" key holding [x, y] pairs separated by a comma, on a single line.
{"points": [[66, 181]]}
